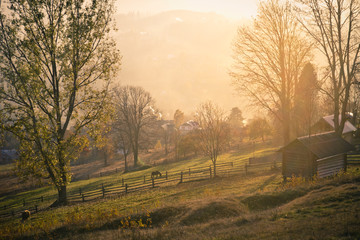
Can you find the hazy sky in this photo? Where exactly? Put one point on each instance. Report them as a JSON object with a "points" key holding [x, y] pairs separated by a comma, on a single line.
{"points": [[181, 57], [235, 9]]}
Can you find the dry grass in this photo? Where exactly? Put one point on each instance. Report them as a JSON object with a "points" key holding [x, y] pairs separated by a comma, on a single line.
{"points": [[236, 208]]}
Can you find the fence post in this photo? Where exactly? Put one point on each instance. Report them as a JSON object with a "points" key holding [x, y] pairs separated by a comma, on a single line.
{"points": [[181, 177], [153, 182], [12, 213], [24, 203], [122, 180], [80, 192], [100, 174], [115, 170], [210, 172], [88, 176], [126, 188], [42, 199], [246, 169], [83, 197], [36, 208], [103, 190], [144, 179], [166, 176]]}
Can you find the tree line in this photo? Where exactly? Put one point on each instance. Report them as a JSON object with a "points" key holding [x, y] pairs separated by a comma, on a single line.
{"points": [[274, 62]]}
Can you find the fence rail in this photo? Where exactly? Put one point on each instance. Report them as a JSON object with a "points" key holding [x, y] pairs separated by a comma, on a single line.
{"points": [[353, 159], [136, 184]]}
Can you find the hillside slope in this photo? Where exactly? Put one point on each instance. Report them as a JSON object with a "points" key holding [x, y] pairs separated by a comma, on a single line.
{"points": [[253, 207]]}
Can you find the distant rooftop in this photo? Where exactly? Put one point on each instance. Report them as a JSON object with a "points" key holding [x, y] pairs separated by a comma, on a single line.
{"points": [[348, 127]]}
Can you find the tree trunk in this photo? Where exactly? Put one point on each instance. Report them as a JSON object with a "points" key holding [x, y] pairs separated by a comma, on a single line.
{"points": [[136, 157], [125, 162], [105, 158], [214, 163], [62, 196]]}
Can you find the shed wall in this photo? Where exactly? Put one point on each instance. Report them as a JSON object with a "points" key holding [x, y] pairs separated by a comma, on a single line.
{"points": [[330, 165], [297, 163]]}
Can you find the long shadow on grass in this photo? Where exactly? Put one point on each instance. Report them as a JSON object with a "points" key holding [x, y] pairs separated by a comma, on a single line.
{"points": [[155, 219], [266, 183]]}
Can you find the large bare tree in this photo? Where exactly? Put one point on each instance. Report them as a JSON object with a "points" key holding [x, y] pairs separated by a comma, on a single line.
{"points": [[214, 130], [56, 62], [134, 112], [334, 27], [269, 56]]}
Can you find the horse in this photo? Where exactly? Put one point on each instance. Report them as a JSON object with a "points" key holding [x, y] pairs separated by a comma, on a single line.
{"points": [[155, 174], [25, 215]]}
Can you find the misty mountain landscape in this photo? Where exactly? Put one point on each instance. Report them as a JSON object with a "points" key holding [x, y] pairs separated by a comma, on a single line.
{"points": [[180, 119], [181, 57]]}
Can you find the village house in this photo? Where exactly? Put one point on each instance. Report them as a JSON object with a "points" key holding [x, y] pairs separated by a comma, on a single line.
{"points": [[327, 124], [189, 126]]}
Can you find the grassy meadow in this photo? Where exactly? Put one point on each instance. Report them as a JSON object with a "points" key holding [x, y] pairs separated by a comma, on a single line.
{"points": [[256, 206]]}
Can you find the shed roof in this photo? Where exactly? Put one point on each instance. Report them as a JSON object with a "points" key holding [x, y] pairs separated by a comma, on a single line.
{"points": [[348, 127], [324, 144]]}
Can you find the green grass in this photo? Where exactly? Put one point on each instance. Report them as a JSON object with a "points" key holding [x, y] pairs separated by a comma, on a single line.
{"points": [[115, 179], [258, 206], [6, 168], [207, 209]]}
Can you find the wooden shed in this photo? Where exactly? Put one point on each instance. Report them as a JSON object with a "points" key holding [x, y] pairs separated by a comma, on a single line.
{"points": [[323, 154]]}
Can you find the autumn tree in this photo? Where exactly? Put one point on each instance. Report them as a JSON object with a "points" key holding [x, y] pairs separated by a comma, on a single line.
{"points": [[122, 142], [269, 56], [178, 120], [305, 104], [214, 131], [56, 63], [134, 112], [102, 139], [259, 127], [334, 28], [189, 144], [236, 123], [355, 98], [167, 134]]}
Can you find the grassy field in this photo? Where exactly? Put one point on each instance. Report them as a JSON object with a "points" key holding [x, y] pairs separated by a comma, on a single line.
{"points": [[257, 206], [49, 193]]}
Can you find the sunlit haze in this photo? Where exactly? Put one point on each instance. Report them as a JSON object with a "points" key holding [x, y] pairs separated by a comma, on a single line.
{"points": [[236, 9], [180, 51]]}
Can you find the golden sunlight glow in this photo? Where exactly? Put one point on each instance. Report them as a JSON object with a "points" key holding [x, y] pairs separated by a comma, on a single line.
{"points": [[234, 9]]}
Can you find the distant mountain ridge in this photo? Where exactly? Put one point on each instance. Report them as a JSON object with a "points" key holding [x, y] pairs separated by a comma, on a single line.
{"points": [[181, 57]]}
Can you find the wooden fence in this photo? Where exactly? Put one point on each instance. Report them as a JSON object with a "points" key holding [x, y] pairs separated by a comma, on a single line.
{"points": [[129, 185], [353, 159]]}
